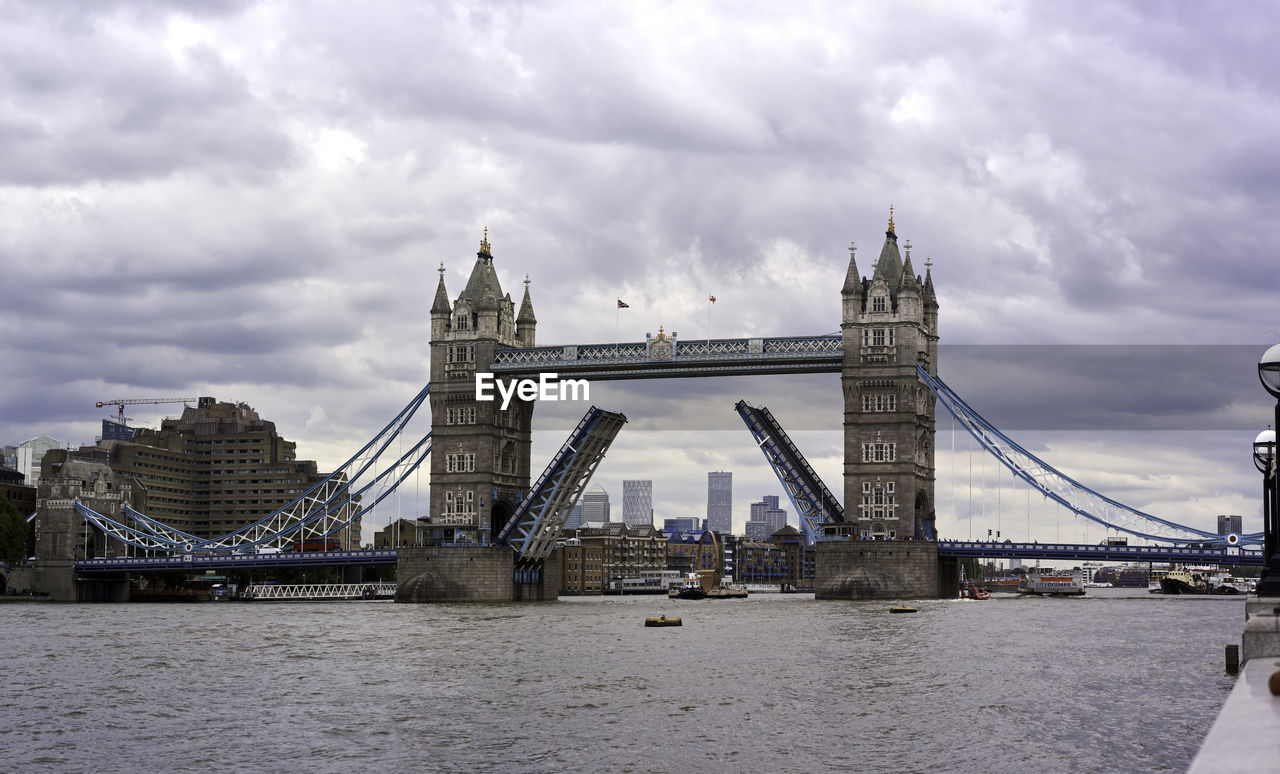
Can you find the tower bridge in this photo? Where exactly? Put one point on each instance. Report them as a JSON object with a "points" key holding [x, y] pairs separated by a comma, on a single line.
{"points": [[491, 527]]}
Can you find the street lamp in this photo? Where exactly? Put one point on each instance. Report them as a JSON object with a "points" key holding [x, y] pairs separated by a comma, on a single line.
{"points": [[1264, 457]]}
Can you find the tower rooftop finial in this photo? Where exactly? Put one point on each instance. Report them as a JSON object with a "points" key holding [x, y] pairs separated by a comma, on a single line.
{"points": [[441, 270], [526, 282], [484, 243], [891, 231]]}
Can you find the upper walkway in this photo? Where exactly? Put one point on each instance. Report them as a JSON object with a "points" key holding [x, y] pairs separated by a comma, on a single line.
{"points": [[667, 357]]}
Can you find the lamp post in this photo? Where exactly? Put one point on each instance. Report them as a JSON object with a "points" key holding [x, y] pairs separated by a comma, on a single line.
{"points": [[1264, 456]]}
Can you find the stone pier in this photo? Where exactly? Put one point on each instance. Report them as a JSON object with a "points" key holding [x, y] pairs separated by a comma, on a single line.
{"points": [[468, 574], [882, 569]]}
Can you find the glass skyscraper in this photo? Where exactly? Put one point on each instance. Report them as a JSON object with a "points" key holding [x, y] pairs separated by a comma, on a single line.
{"points": [[720, 502]]}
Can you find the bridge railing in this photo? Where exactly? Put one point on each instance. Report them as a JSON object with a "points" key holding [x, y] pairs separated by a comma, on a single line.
{"points": [[573, 357]]}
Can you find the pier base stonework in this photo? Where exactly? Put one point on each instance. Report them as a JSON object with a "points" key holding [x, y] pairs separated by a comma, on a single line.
{"points": [[467, 574], [877, 569]]}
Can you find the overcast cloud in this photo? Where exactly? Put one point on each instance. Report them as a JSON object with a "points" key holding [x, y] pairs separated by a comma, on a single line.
{"points": [[251, 200]]}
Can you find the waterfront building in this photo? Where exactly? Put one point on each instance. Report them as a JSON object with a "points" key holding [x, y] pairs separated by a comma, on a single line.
{"points": [[889, 324], [637, 502], [22, 496], [400, 533], [720, 501], [783, 560], [214, 469], [757, 530], [607, 553], [30, 453], [1230, 525], [595, 504]]}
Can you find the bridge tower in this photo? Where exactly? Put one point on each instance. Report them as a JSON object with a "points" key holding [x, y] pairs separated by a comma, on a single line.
{"points": [[888, 323], [480, 454]]}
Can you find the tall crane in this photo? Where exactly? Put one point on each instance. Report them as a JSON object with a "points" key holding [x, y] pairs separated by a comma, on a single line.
{"points": [[120, 403]]}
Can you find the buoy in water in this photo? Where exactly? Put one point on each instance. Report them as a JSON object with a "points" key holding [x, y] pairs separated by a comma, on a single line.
{"points": [[902, 610], [662, 620]]}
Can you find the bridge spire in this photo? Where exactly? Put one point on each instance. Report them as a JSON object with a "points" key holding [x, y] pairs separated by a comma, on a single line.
{"points": [[852, 280], [526, 321], [441, 303]]}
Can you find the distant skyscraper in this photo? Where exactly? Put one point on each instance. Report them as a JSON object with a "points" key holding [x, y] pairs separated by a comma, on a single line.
{"points": [[637, 503], [575, 516], [720, 502], [1230, 524], [595, 504]]}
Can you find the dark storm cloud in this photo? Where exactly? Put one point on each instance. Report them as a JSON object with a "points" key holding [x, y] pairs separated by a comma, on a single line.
{"points": [[251, 200]]}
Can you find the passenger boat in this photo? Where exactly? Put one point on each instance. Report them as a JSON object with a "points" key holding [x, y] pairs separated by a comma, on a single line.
{"points": [[1045, 582]]}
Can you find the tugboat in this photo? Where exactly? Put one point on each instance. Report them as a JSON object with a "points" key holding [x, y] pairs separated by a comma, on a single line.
{"points": [[1183, 581], [692, 588]]}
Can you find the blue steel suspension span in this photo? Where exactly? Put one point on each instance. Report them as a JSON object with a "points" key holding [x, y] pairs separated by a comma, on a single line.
{"points": [[1065, 490]]}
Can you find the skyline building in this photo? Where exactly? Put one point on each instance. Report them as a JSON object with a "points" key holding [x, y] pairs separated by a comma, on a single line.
{"points": [[595, 505], [682, 524], [637, 502], [29, 454], [1228, 524], [720, 501]]}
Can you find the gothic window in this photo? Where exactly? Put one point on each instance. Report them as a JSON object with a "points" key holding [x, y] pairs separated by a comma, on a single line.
{"points": [[463, 322], [877, 304]]}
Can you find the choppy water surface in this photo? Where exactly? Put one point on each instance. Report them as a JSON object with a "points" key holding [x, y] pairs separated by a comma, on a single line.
{"points": [[1119, 681]]}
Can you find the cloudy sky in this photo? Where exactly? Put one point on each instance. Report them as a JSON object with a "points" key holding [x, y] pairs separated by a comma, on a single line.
{"points": [[251, 201]]}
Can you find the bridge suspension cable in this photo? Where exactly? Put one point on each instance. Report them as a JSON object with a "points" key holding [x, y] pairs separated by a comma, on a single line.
{"points": [[1060, 487]]}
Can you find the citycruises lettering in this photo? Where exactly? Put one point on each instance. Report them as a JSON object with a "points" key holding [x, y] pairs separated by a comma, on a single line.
{"points": [[545, 387]]}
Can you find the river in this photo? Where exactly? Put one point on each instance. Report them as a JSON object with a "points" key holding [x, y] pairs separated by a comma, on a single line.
{"points": [[1117, 681]]}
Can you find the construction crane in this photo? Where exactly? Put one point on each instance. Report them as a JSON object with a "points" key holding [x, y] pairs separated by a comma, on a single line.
{"points": [[120, 403]]}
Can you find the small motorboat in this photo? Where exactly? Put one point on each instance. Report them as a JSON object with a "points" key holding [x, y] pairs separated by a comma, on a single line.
{"points": [[662, 620]]}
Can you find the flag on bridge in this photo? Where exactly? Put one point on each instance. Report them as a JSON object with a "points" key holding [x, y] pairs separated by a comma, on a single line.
{"points": [[623, 304]]}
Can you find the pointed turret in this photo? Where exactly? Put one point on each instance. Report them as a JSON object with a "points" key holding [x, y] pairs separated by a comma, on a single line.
{"points": [[930, 299], [441, 304], [440, 310], [851, 293], [526, 322], [910, 282], [889, 266]]}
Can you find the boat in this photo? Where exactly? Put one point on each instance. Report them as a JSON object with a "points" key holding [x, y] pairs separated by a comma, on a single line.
{"points": [[971, 591], [728, 592], [1183, 581], [1046, 582], [691, 589], [662, 620]]}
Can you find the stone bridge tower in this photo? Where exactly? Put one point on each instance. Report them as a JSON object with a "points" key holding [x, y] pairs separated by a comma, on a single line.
{"points": [[889, 324], [480, 454]]}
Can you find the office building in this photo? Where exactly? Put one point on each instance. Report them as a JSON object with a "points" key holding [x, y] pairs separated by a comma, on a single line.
{"points": [[720, 502], [1230, 525], [682, 524], [595, 505], [637, 503], [216, 468], [29, 455]]}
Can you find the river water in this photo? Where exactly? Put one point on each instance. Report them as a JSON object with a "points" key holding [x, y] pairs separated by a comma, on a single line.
{"points": [[1119, 681]]}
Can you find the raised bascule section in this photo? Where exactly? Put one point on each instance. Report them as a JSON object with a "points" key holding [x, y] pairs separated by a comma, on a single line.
{"points": [[812, 500]]}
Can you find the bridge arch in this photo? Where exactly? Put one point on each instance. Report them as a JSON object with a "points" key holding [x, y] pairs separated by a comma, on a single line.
{"points": [[499, 514]]}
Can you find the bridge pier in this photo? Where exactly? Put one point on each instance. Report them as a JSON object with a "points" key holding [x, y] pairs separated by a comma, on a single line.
{"points": [[470, 574], [883, 569]]}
